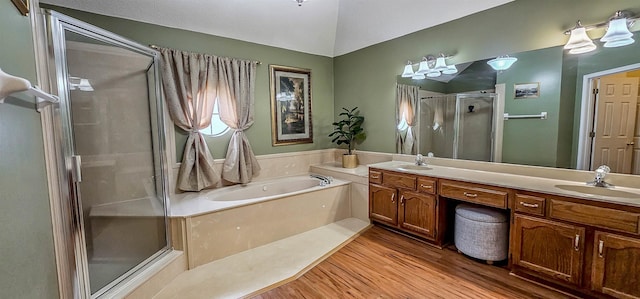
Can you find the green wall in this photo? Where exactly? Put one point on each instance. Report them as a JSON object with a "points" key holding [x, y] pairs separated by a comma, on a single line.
{"points": [[525, 139], [27, 259], [367, 78], [260, 133]]}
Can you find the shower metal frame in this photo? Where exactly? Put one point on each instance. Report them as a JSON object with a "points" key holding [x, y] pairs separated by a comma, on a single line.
{"points": [[68, 225]]}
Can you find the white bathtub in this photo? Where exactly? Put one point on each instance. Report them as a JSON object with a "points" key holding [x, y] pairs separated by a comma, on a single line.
{"points": [[192, 204]]}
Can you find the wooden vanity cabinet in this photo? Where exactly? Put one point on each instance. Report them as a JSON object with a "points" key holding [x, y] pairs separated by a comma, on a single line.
{"points": [[550, 248], [616, 265], [382, 204], [589, 247], [405, 202], [417, 213]]}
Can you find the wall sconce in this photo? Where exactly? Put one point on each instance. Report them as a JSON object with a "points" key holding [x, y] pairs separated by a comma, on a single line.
{"points": [[617, 35], [502, 63], [430, 66]]}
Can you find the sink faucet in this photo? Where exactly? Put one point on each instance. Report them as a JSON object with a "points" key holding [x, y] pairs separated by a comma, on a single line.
{"points": [[601, 172], [420, 160]]}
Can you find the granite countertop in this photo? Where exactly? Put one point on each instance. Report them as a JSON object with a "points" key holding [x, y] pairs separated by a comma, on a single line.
{"points": [[617, 195]]}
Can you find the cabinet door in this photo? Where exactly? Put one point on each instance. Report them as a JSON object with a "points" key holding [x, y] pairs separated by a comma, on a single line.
{"points": [[417, 213], [550, 248], [383, 204], [616, 265]]}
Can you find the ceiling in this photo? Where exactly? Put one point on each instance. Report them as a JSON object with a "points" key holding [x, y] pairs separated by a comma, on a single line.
{"points": [[323, 27]]}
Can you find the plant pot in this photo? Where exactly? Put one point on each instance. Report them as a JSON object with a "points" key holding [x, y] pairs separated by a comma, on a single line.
{"points": [[349, 161]]}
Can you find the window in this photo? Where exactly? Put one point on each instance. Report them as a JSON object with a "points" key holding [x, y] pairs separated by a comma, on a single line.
{"points": [[217, 127]]}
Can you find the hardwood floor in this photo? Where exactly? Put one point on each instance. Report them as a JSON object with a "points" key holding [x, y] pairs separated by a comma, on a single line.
{"points": [[382, 264]]}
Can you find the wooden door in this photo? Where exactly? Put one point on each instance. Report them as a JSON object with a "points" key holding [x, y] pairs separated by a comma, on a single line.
{"points": [[550, 248], [383, 204], [615, 123], [417, 213], [616, 265]]}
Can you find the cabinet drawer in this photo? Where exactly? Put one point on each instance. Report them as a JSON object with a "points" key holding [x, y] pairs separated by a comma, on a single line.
{"points": [[530, 204], [375, 177], [427, 185], [480, 194], [399, 180], [597, 216]]}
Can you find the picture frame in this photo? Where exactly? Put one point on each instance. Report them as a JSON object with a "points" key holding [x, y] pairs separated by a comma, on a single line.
{"points": [[526, 90], [22, 6], [290, 105]]}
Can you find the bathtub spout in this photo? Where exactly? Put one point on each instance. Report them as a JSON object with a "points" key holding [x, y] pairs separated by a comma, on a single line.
{"points": [[324, 180]]}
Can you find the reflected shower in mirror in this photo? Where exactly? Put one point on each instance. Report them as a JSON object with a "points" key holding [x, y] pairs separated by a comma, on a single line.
{"points": [[458, 126], [572, 93]]}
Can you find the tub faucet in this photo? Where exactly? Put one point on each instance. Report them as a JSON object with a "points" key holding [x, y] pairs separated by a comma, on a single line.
{"points": [[601, 172], [324, 180], [420, 160]]}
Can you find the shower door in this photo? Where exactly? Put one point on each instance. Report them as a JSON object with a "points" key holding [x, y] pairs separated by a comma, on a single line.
{"points": [[474, 121], [109, 124]]}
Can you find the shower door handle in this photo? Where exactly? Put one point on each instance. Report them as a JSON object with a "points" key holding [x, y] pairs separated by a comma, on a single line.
{"points": [[76, 170]]}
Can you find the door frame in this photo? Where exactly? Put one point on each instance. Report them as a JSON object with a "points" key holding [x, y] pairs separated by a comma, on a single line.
{"points": [[66, 211], [588, 112]]}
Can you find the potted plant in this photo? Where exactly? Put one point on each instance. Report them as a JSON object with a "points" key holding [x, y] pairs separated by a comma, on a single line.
{"points": [[349, 131]]}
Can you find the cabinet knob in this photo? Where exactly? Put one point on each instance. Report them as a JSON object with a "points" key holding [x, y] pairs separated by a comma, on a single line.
{"points": [[402, 200], [600, 248], [426, 186], [375, 176], [393, 197], [576, 243], [472, 195], [529, 205]]}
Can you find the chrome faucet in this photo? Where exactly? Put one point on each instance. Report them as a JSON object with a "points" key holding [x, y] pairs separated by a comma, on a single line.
{"points": [[601, 172], [324, 180], [420, 160]]}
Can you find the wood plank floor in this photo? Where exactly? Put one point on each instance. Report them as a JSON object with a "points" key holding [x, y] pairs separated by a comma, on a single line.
{"points": [[382, 264]]}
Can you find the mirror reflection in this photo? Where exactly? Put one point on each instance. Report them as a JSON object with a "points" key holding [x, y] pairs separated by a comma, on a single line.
{"points": [[590, 100]]}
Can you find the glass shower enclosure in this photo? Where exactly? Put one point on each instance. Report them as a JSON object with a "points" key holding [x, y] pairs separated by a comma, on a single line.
{"points": [[110, 133], [458, 126]]}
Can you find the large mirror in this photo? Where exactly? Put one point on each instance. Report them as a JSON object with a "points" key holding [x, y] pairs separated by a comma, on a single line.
{"points": [[590, 102]]}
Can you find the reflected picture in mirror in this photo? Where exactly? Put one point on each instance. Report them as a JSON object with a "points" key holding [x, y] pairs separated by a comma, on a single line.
{"points": [[588, 98]]}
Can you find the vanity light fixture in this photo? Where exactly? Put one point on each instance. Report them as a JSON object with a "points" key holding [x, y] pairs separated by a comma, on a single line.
{"points": [[408, 70], [579, 42], [502, 63], [440, 64], [617, 35], [425, 68]]}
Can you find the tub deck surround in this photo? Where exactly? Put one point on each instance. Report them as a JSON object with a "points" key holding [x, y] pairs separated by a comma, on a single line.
{"points": [[513, 181], [254, 271], [205, 223]]}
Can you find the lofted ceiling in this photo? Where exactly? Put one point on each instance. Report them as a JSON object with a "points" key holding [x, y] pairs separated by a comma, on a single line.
{"points": [[323, 27]]}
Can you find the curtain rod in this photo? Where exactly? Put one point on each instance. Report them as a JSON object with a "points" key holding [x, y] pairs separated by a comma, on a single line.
{"points": [[158, 48]]}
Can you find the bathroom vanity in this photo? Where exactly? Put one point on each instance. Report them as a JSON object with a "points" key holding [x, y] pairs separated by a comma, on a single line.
{"points": [[564, 234]]}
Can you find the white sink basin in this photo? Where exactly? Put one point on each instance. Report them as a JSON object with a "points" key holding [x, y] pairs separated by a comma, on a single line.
{"points": [[598, 191], [414, 167]]}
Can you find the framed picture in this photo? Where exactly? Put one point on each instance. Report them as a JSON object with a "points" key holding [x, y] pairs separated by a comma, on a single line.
{"points": [[290, 105], [22, 5], [527, 90]]}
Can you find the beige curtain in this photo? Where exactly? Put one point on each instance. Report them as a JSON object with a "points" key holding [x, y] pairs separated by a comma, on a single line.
{"points": [[189, 81], [407, 100], [236, 98]]}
